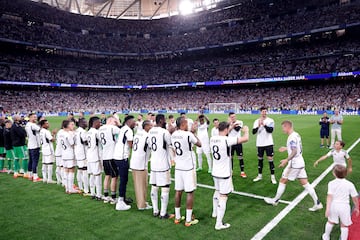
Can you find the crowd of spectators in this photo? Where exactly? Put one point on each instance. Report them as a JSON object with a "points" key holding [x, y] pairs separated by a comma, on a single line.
{"points": [[306, 58], [128, 36], [307, 96]]}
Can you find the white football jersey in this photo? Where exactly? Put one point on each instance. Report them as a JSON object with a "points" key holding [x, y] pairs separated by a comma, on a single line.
{"points": [[138, 125], [159, 142], [122, 148], [140, 151], [339, 157], [202, 132], [264, 138], [92, 150], [33, 133], [108, 135], [59, 136], [80, 144], [220, 150], [182, 143], [214, 131], [294, 141], [47, 147], [341, 190], [234, 133], [67, 143], [190, 123]]}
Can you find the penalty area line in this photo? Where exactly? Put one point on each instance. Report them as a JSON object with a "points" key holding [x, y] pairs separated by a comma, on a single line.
{"points": [[275, 221]]}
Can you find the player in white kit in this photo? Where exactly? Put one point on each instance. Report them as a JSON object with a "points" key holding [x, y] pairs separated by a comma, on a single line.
{"points": [[185, 175], [93, 158], [60, 172], [121, 156], [139, 165], [68, 156], [189, 120], [32, 131], [108, 134], [340, 156], [215, 129], [295, 167], [159, 142], [222, 170], [203, 135], [80, 157], [263, 128], [234, 131], [338, 203], [47, 150]]}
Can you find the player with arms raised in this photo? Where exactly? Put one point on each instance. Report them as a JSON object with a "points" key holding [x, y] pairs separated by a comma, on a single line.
{"points": [[185, 175], [203, 135], [295, 167], [159, 142], [222, 170]]}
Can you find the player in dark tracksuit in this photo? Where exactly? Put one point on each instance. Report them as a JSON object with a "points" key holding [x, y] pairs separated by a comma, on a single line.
{"points": [[2, 148], [8, 144], [324, 129]]}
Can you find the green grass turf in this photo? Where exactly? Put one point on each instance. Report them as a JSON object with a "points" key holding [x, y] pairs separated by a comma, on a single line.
{"points": [[41, 211]]}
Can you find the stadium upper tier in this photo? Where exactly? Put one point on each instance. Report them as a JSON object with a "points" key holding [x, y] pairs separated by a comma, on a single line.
{"points": [[42, 24], [322, 56]]}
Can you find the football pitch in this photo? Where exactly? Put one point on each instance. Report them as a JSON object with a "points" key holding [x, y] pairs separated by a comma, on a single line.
{"points": [[42, 211]]}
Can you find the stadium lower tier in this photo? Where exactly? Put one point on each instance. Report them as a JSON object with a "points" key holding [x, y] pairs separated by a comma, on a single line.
{"points": [[303, 95]]}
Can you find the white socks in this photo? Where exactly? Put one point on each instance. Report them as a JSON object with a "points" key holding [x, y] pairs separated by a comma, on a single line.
{"points": [[154, 199], [85, 181], [215, 203], [188, 215], [70, 180], [344, 233], [164, 200], [79, 178], [312, 192], [280, 191], [92, 185], [98, 185], [221, 210], [44, 170], [65, 181], [49, 172], [200, 160], [177, 213]]}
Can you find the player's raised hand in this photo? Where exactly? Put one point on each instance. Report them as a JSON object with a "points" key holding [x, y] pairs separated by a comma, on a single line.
{"points": [[54, 131], [349, 170], [282, 149], [283, 163]]}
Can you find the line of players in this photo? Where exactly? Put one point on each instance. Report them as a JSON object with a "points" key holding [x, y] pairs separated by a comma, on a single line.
{"points": [[108, 147]]}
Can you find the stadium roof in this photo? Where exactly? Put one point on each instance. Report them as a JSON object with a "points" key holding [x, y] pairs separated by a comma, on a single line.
{"points": [[132, 9]]}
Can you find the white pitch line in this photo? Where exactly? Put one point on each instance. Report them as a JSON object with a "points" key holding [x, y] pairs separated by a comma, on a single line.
{"points": [[238, 193], [272, 224]]}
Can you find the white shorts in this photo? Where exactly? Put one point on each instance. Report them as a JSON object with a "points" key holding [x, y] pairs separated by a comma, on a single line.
{"points": [[59, 161], [185, 180], [205, 148], [69, 163], [94, 168], [340, 211], [224, 186], [48, 159], [160, 179], [81, 163], [294, 173]]}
